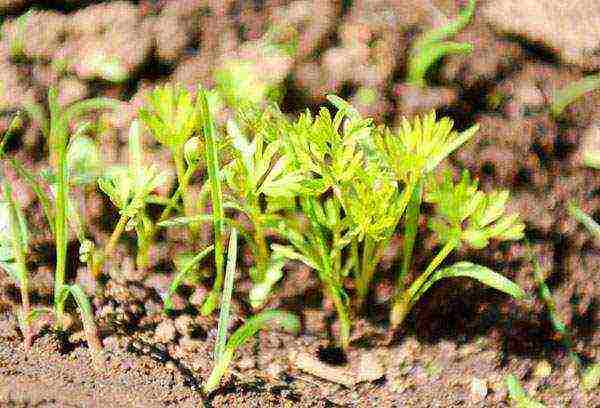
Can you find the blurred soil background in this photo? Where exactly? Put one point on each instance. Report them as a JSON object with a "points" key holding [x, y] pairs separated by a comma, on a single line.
{"points": [[460, 341]]}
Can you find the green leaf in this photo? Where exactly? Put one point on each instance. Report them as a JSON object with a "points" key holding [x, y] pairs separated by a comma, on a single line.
{"points": [[431, 46], [84, 162], [478, 272], [572, 92], [264, 320], [260, 290], [585, 219], [591, 377], [183, 271], [518, 394], [224, 313]]}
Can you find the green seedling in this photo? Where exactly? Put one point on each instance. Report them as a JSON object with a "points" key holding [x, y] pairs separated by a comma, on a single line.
{"points": [[66, 159], [431, 46], [172, 118], [216, 195], [546, 296], [14, 247], [225, 349], [572, 92], [464, 216], [585, 220], [518, 395], [129, 189], [259, 172]]}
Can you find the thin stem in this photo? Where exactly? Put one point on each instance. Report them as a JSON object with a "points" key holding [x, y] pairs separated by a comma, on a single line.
{"points": [[367, 270], [405, 301], [343, 316], [224, 313], [60, 135], [212, 161], [411, 224], [180, 189], [109, 249]]}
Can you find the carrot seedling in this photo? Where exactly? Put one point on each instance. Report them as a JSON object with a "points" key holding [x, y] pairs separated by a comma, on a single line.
{"points": [[57, 205], [129, 189], [572, 92], [431, 46], [14, 247], [518, 395]]}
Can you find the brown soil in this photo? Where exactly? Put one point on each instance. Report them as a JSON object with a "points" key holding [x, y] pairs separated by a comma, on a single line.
{"points": [[461, 333]]}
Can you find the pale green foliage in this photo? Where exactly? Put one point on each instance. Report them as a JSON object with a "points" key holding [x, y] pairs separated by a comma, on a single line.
{"points": [[373, 203], [518, 395], [172, 117], [569, 94], [431, 46], [128, 188], [418, 147], [465, 214]]}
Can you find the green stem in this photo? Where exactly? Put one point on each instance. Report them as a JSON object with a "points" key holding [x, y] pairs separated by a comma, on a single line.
{"points": [[212, 161], [343, 316], [411, 225], [224, 313], [109, 249], [405, 301], [60, 137], [367, 270]]}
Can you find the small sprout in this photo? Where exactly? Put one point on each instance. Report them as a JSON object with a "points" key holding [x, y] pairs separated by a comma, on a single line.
{"points": [[431, 46], [572, 92], [216, 194], [587, 221], [183, 272], [14, 247], [128, 189], [518, 394], [107, 67], [591, 377]]}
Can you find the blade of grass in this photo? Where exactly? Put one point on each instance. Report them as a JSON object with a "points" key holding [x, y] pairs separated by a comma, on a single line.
{"points": [[571, 92], [212, 161], [224, 313], [263, 320], [546, 297], [585, 219], [183, 273]]}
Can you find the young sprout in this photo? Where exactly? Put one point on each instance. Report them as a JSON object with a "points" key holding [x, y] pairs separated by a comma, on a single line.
{"points": [[431, 46], [57, 206], [587, 221], [546, 297], [260, 172], [172, 118], [14, 240], [465, 216], [518, 394], [216, 194], [225, 349], [572, 92], [129, 190]]}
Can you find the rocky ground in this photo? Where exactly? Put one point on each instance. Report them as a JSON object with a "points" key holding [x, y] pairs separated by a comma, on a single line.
{"points": [[461, 341]]}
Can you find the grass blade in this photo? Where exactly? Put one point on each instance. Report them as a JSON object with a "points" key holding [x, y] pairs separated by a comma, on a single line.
{"points": [[212, 161], [224, 313], [585, 219], [182, 275], [518, 394], [478, 272], [264, 320], [87, 317], [571, 92]]}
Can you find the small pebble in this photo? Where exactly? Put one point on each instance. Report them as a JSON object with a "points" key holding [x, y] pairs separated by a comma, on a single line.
{"points": [[183, 324], [479, 389], [165, 332], [542, 369]]}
